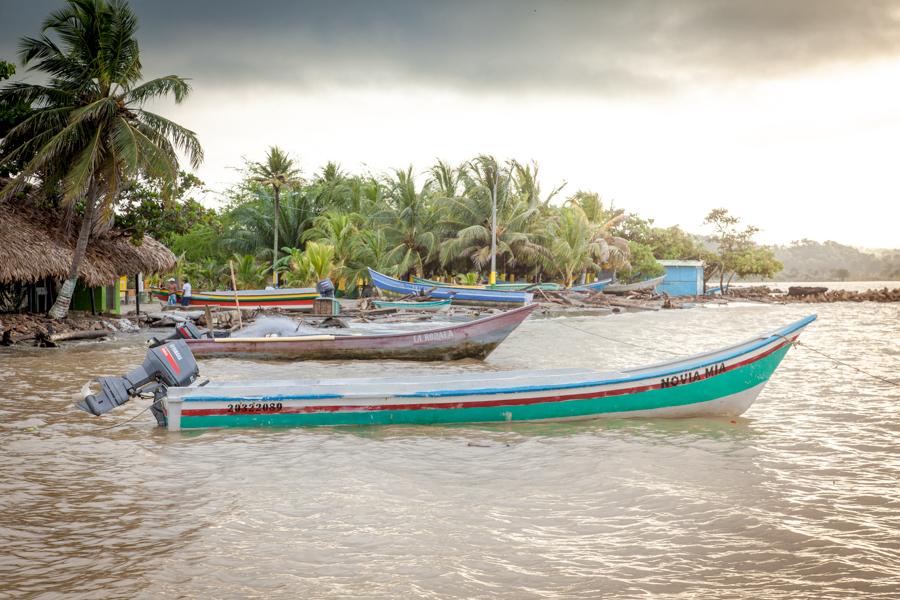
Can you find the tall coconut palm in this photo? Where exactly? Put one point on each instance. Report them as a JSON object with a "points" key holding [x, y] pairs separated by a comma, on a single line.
{"points": [[88, 133], [574, 248], [603, 222], [277, 171], [471, 218], [250, 227], [411, 224]]}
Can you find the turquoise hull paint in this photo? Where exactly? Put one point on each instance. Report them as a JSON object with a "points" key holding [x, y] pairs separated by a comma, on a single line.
{"points": [[411, 305], [719, 386]]}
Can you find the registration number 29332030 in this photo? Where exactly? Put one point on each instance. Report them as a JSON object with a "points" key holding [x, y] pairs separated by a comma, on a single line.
{"points": [[253, 407]]}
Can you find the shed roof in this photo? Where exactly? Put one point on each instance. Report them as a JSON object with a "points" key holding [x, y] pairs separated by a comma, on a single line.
{"points": [[681, 263]]}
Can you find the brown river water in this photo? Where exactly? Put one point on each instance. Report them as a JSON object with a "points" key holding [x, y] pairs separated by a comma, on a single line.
{"points": [[800, 498]]}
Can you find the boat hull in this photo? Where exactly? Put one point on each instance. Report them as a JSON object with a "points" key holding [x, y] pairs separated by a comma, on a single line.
{"points": [[300, 297], [457, 294], [474, 339], [510, 287], [639, 286], [597, 286], [717, 384], [436, 306]]}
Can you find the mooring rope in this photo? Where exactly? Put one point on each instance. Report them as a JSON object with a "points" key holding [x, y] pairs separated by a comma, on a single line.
{"points": [[840, 362], [795, 342], [127, 421], [618, 341]]}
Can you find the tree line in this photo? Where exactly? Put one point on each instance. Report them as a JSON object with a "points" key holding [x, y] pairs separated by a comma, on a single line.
{"points": [[434, 224]]}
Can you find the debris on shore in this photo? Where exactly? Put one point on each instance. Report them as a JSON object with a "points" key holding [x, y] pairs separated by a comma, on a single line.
{"points": [[43, 331], [806, 294]]}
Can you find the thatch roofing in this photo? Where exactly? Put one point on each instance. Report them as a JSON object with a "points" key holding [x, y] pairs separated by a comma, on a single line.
{"points": [[35, 243]]}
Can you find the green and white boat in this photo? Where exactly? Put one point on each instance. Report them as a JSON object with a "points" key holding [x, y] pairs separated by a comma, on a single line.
{"points": [[721, 383], [425, 306]]}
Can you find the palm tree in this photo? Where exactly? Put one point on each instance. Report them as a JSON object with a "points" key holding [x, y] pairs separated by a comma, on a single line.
{"points": [[306, 267], [87, 132], [602, 222], [372, 250], [517, 239], [277, 172], [249, 274], [574, 248], [411, 224], [333, 188], [249, 226]]}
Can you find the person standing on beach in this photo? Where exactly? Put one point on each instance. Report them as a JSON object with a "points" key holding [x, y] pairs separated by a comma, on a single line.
{"points": [[172, 300], [186, 293]]}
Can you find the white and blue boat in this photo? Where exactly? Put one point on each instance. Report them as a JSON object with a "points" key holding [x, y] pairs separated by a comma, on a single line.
{"points": [[457, 294], [597, 286]]}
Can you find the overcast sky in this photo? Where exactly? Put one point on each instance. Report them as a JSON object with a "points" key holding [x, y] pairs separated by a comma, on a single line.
{"points": [[786, 112]]}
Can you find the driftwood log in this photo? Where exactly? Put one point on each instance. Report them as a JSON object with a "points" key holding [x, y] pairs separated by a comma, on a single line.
{"points": [[799, 290], [77, 335]]}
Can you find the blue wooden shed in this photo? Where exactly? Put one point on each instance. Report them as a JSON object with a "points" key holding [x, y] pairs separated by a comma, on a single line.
{"points": [[683, 278]]}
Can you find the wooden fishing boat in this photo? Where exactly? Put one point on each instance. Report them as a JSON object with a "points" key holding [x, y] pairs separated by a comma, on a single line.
{"points": [[638, 286], [296, 297], [473, 339], [455, 293], [509, 287], [427, 306], [721, 383], [597, 286]]}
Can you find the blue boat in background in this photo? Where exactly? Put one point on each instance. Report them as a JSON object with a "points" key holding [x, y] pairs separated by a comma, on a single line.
{"points": [[597, 286], [457, 294]]}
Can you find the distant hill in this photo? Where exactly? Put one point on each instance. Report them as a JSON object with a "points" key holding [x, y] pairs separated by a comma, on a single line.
{"points": [[806, 260]]}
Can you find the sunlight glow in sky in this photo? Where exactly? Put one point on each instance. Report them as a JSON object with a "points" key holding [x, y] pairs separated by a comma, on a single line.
{"points": [[808, 157]]}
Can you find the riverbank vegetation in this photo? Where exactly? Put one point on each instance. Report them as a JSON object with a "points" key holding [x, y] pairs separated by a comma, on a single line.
{"points": [[433, 224]]}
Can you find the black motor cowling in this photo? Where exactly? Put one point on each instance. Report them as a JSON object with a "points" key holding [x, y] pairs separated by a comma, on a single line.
{"points": [[170, 364], [185, 330], [325, 288], [188, 331]]}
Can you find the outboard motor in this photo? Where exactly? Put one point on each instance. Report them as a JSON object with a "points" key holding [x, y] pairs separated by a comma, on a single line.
{"points": [[170, 364], [325, 289], [185, 330]]}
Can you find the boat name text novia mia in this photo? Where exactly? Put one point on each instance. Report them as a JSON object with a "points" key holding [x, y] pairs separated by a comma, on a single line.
{"points": [[689, 377]]}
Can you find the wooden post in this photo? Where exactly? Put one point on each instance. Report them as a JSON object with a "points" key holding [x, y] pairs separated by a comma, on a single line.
{"points": [[137, 297], [209, 322], [236, 302]]}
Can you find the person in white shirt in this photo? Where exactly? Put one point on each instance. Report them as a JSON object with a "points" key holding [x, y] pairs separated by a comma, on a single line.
{"points": [[186, 293]]}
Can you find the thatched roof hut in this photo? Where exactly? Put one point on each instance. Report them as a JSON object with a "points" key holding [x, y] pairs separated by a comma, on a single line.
{"points": [[35, 244]]}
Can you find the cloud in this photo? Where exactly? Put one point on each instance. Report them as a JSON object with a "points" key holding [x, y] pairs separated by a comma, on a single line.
{"points": [[605, 48]]}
